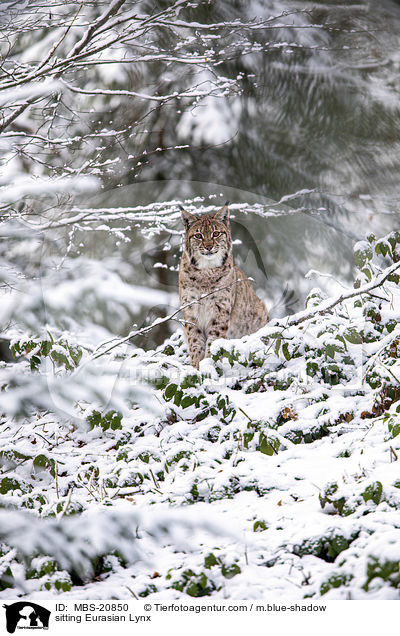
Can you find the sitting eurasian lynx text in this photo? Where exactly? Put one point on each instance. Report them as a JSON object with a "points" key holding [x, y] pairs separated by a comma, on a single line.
{"points": [[234, 310]]}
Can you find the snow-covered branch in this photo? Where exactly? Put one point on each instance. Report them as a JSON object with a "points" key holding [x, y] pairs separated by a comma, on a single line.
{"points": [[81, 61], [330, 303]]}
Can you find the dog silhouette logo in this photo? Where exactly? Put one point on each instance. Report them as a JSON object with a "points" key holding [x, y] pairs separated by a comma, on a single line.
{"points": [[26, 615]]}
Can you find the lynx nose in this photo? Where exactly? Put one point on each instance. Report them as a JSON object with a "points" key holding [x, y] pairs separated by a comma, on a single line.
{"points": [[208, 246]]}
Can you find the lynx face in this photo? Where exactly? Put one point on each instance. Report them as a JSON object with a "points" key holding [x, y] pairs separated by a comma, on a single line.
{"points": [[208, 238]]}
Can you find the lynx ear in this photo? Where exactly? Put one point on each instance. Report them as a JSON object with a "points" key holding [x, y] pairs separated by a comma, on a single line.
{"points": [[187, 218], [223, 214]]}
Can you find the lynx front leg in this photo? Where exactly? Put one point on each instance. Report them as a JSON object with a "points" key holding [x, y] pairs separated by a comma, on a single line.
{"points": [[217, 329], [195, 340]]}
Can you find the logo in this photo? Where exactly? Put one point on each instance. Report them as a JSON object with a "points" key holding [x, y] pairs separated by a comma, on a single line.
{"points": [[26, 615]]}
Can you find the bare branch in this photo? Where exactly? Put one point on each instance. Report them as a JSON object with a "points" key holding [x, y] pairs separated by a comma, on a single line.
{"points": [[14, 115], [85, 39], [160, 321]]}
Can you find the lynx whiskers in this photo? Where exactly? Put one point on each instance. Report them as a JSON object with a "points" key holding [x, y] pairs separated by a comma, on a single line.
{"points": [[234, 310]]}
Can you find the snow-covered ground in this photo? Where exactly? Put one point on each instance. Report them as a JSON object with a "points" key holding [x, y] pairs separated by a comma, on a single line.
{"points": [[273, 471]]}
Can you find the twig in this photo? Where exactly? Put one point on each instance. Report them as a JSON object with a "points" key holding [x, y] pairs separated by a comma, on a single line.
{"points": [[6, 122], [157, 485], [245, 414], [56, 478], [87, 36], [132, 592], [160, 321], [389, 371], [66, 504], [379, 297]]}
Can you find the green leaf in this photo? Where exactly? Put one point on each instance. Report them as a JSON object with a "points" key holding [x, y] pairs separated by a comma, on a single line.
{"points": [[266, 447], [116, 420], [75, 353], [247, 437], [35, 363], [285, 351], [353, 336], [190, 381], [7, 484], [177, 397], [362, 255], [229, 571], [259, 526], [341, 340], [187, 401], [60, 358], [373, 493], [337, 545], [15, 349], [210, 560], [367, 272], [330, 350], [382, 248], [170, 391], [161, 383], [393, 239], [41, 462], [394, 429], [94, 419], [46, 347]]}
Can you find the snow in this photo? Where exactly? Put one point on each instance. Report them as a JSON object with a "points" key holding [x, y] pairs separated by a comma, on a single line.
{"points": [[214, 120], [22, 93], [165, 488], [26, 186]]}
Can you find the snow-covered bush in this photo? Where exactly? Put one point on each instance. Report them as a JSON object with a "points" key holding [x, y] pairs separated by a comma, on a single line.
{"points": [[290, 436]]}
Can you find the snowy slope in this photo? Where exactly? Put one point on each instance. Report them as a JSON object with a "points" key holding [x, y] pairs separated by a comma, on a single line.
{"points": [[273, 471]]}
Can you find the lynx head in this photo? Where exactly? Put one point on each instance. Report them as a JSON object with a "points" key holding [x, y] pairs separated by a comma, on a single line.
{"points": [[208, 241]]}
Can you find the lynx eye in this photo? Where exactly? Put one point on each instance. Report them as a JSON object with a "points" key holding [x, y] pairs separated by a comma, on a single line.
{"points": [[198, 235], [215, 234]]}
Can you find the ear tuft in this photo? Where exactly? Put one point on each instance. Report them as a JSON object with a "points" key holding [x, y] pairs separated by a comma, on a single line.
{"points": [[187, 218], [223, 214]]}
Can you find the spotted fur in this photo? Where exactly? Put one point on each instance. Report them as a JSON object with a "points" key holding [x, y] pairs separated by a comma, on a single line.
{"points": [[231, 309]]}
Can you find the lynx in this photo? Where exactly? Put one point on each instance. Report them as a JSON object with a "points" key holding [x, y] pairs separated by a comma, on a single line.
{"points": [[234, 309]]}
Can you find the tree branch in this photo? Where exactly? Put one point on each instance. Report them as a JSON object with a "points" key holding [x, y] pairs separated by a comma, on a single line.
{"points": [[160, 321], [327, 305]]}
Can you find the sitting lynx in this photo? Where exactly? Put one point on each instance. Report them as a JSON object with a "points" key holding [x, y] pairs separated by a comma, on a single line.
{"points": [[234, 310]]}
